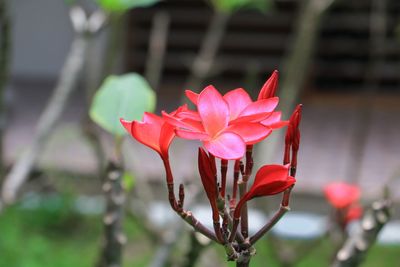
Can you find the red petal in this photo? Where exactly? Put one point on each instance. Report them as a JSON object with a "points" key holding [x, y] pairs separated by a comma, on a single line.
{"points": [[250, 132], [237, 100], [127, 125], [341, 195], [191, 135], [274, 121], [269, 88], [270, 180], [148, 132], [213, 110], [167, 134], [226, 146], [193, 97], [261, 106], [207, 174]]}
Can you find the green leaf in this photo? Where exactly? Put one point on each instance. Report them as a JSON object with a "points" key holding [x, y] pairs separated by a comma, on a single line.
{"points": [[124, 5], [128, 181], [230, 6], [127, 96]]}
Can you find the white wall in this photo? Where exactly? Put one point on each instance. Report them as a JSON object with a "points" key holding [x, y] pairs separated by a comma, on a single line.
{"points": [[42, 35]]}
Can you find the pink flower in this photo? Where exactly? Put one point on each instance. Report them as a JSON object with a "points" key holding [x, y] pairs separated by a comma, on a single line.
{"points": [[152, 131], [220, 136], [342, 195], [269, 180]]}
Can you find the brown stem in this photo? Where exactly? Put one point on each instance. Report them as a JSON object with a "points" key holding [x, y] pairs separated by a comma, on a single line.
{"points": [[114, 239], [356, 246], [244, 225], [277, 216], [224, 169], [5, 47]]}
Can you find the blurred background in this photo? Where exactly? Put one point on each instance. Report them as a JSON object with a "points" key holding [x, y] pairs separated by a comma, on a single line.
{"points": [[340, 59]]}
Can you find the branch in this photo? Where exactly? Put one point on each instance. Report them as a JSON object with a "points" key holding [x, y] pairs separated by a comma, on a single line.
{"points": [[355, 248], [54, 108], [114, 238], [5, 47]]}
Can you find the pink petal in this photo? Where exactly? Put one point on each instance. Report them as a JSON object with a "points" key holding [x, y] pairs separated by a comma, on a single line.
{"points": [[274, 121], [184, 124], [213, 110], [237, 100], [193, 97], [191, 135], [226, 145], [250, 132], [260, 106], [252, 118]]}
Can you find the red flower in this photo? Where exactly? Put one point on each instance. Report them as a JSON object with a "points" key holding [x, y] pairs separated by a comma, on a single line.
{"points": [[270, 180], [152, 131], [342, 195]]}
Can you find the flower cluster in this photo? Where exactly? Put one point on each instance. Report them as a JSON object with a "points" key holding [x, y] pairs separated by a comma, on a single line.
{"points": [[228, 126]]}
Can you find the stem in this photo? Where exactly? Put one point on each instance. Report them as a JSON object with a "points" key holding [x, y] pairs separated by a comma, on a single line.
{"points": [[5, 47], [157, 47], [114, 238], [277, 216], [244, 224], [48, 119], [224, 169], [356, 247]]}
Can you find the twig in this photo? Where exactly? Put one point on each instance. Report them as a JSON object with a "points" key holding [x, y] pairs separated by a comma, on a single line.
{"points": [[55, 106], [355, 248], [114, 239], [5, 47], [157, 47]]}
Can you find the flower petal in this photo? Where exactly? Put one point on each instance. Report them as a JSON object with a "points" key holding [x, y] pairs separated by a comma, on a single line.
{"points": [[177, 122], [191, 135], [226, 145], [269, 88], [237, 100], [250, 132], [167, 134], [213, 110], [274, 121], [260, 106], [193, 97], [341, 195], [147, 134]]}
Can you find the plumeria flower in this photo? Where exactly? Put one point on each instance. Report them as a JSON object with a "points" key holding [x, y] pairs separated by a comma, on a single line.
{"points": [[269, 180], [153, 132], [344, 198], [220, 136], [342, 195]]}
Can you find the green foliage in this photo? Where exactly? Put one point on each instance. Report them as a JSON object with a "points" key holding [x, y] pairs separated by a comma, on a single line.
{"points": [[123, 5], [126, 96], [230, 6]]}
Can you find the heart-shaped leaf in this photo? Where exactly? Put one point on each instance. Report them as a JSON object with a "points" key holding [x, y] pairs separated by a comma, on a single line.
{"points": [[124, 5], [125, 96]]}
